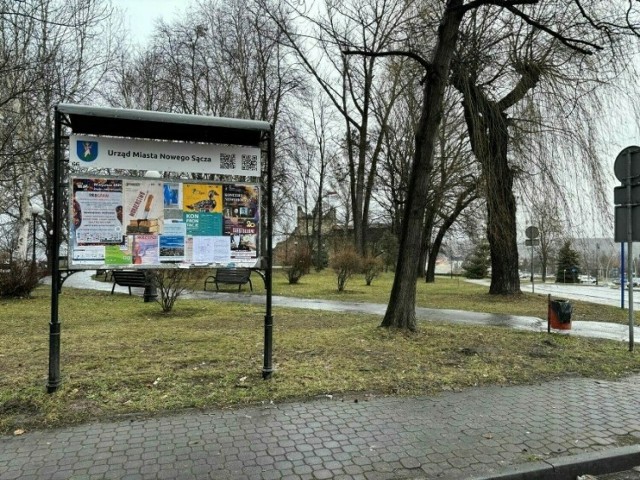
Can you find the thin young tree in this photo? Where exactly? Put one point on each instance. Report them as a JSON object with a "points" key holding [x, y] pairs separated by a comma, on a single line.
{"points": [[354, 85]]}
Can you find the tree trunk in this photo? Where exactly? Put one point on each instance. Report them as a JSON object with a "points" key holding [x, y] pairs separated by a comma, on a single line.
{"points": [[462, 202], [427, 247], [401, 312], [25, 217], [489, 136], [430, 275], [501, 232], [501, 208]]}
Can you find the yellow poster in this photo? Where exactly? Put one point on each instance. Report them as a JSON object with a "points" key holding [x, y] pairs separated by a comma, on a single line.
{"points": [[202, 197]]}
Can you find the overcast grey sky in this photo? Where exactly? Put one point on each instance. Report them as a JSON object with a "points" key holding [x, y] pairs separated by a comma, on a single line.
{"points": [[140, 15]]}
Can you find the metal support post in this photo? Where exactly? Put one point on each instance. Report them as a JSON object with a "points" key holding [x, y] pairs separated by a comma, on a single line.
{"points": [[630, 250], [53, 382], [267, 369]]}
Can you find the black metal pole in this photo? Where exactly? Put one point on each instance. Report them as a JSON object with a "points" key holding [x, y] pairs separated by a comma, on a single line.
{"points": [[267, 369], [54, 325]]}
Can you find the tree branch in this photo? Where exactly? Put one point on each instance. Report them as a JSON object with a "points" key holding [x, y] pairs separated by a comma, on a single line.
{"points": [[573, 43], [530, 74], [497, 3], [390, 53]]}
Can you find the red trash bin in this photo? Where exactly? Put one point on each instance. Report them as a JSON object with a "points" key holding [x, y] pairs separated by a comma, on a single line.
{"points": [[559, 314]]}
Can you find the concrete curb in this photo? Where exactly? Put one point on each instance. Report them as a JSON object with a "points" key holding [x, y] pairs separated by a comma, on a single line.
{"points": [[568, 468]]}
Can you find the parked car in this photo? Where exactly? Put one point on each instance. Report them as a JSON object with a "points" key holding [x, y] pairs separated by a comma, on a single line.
{"points": [[586, 279], [636, 281]]}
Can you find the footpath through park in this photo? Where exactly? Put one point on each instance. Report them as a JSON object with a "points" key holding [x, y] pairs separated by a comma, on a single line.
{"points": [[552, 430]]}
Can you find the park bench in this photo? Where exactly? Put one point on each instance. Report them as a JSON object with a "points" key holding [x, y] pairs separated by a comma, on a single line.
{"points": [[233, 276], [129, 278]]}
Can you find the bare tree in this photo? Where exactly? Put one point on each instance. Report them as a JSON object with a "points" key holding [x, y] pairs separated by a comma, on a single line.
{"points": [[545, 217], [581, 36], [50, 54], [352, 84]]}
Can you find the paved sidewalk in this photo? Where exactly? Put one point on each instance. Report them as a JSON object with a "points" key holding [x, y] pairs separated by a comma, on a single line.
{"points": [[454, 435]]}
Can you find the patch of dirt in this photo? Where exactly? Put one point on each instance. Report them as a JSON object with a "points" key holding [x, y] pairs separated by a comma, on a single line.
{"points": [[627, 439], [18, 407]]}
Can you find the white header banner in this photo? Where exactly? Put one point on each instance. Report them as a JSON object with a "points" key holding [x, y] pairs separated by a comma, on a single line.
{"points": [[87, 151]]}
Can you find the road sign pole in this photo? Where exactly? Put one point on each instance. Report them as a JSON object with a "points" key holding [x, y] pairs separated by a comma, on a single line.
{"points": [[630, 271], [622, 275], [533, 288]]}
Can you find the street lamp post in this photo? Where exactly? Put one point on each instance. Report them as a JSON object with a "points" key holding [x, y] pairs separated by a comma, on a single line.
{"points": [[35, 211]]}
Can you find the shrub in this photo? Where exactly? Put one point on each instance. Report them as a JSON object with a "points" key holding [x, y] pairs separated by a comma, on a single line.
{"points": [[300, 264], [371, 268], [170, 283], [19, 279], [345, 263]]}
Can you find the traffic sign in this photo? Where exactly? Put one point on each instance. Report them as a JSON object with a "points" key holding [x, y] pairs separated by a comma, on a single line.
{"points": [[621, 222], [621, 165], [532, 232], [531, 242], [620, 195]]}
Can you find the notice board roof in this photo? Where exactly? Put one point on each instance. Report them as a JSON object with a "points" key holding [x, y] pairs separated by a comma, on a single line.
{"points": [[121, 122]]}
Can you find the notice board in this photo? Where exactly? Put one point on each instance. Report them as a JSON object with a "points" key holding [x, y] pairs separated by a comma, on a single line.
{"points": [[154, 222]]}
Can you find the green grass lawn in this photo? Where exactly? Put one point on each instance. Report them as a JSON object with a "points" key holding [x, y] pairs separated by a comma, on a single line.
{"points": [[449, 293], [121, 356]]}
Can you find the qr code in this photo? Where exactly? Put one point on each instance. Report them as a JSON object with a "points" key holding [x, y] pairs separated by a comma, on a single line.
{"points": [[249, 162], [227, 161]]}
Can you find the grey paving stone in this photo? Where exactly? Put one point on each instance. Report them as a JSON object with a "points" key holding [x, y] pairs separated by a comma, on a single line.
{"points": [[449, 434]]}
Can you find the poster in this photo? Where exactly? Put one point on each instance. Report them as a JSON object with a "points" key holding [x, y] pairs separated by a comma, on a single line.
{"points": [[144, 249], [241, 219], [143, 206], [203, 249], [172, 242], [97, 211], [221, 250], [172, 199], [202, 209], [89, 255], [117, 254]]}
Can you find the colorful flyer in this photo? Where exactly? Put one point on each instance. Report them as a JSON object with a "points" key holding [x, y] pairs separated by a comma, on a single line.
{"points": [[203, 224], [172, 242], [242, 220], [143, 206], [97, 211], [202, 197], [144, 249], [117, 255]]}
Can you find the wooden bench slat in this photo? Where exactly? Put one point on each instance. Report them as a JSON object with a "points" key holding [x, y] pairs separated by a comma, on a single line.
{"points": [[126, 278], [233, 276]]}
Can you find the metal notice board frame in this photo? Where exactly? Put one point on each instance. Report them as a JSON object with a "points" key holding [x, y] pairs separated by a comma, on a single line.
{"points": [[72, 119]]}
